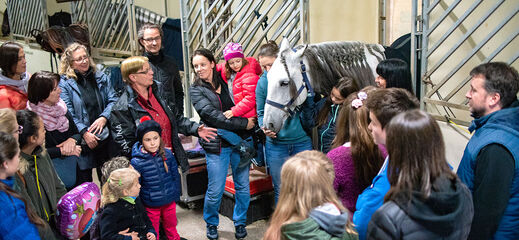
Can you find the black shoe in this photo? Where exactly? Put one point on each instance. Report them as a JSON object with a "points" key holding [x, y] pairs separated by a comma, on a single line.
{"points": [[212, 232], [241, 232], [246, 150]]}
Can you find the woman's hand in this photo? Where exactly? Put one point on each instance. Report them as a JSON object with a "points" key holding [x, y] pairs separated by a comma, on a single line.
{"points": [[206, 133], [77, 151], [251, 122], [150, 236], [67, 147], [228, 114], [269, 133], [90, 139], [97, 126]]}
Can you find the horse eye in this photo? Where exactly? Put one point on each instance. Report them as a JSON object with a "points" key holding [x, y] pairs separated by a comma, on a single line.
{"points": [[283, 83]]}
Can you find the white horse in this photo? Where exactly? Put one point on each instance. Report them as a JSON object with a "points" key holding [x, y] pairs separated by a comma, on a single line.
{"points": [[301, 70]]}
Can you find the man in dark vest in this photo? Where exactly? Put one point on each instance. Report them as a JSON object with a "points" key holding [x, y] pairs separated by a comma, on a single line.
{"points": [[490, 163], [166, 72]]}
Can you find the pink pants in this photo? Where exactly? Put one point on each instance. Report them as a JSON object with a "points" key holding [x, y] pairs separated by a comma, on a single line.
{"points": [[168, 214]]}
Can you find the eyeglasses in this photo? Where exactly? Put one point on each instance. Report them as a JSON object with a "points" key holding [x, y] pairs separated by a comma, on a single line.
{"points": [[150, 40], [81, 59], [144, 72]]}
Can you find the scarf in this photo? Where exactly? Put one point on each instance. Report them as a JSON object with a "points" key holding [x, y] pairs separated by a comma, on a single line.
{"points": [[20, 84], [54, 117]]}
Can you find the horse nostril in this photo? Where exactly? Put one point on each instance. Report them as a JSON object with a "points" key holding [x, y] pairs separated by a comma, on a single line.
{"points": [[271, 125]]}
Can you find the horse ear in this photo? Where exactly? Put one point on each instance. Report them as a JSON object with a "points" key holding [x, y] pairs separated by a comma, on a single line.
{"points": [[299, 53], [285, 44]]}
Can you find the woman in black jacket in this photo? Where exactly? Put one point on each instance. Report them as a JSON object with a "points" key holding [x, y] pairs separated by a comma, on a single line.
{"points": [[426, 199], [141, 98], [210, 97]]}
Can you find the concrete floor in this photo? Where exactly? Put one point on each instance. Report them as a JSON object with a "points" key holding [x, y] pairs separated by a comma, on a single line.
{"points": [[191, 225]]}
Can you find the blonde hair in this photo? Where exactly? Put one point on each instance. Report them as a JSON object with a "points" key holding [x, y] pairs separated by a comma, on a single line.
{"points": [[8, 120], [119, 180], [306, 183], [66, 60], [132, 65]]}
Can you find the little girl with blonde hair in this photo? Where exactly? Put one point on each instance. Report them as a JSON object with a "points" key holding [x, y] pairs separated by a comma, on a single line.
{"points": [[123, 212]]}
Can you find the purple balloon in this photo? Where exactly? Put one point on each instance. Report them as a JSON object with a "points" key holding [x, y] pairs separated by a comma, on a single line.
{"points": [[77, 210]]}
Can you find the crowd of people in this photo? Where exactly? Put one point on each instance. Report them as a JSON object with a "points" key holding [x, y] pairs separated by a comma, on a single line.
{"points": [[379, 170]]}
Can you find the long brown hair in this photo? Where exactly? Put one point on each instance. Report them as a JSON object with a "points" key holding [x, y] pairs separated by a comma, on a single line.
{"points": [[345, 85], [415, 164], [9, 149], [307, 183], [366, 155], [228, 69]]}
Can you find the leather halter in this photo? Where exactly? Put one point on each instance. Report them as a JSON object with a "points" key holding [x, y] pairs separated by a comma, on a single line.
{"points": [[306, 84]]}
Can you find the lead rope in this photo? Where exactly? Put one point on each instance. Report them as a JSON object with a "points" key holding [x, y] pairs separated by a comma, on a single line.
{"points": [[38, 184]]}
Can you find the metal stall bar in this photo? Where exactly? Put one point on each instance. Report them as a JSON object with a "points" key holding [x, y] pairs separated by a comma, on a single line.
{"points": [[473, 52], [443, 16], [425, 40], [461, 41], [453, 27], [26, 15], [278, 14], [488, 59]]}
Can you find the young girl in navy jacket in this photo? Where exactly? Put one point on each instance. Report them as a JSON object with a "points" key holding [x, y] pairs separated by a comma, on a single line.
{"points": [[160, 179]]}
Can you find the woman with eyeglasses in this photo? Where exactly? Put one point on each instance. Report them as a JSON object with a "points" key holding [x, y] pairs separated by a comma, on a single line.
{"points": [[141, 98], [13, 77], [89, 97]]}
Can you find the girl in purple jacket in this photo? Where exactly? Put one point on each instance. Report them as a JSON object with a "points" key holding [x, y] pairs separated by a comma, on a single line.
{"points": [[356, 158]]}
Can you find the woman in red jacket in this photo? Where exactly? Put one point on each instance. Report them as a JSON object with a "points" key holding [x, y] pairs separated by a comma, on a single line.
{"points": [[241, 75], [13, 78]]}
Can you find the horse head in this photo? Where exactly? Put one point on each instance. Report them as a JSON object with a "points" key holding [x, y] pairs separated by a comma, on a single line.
{"points": [[287, 88]]}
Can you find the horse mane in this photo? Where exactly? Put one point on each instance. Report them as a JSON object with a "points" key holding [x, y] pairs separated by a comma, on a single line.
{"points": [[331, 61]]}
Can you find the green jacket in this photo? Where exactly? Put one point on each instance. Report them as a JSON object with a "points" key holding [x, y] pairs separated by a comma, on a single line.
{"points": [[310, 230], [51, 186]]}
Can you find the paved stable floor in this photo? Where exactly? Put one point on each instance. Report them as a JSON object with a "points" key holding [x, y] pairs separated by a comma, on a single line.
{"points": [[191, 225]]}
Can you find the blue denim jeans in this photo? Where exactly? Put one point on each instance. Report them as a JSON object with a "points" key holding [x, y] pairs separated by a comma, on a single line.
{"points": [[229, 136], [217, 166], [277, 154]]}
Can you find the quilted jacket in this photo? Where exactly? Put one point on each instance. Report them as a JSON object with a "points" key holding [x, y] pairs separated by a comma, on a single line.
{"points": [[244, 88]]}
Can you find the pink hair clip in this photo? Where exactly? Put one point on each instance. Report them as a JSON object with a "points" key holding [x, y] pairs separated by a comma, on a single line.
{"points": [[362, 95], [357, 103]]}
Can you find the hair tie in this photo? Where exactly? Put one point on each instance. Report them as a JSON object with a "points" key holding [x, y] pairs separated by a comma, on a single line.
{"points": [[120, 183], [357, 103]]}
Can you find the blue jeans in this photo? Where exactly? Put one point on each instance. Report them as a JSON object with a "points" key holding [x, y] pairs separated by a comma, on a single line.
{"points": [[217, 166], [229, 136], [277, 154]]}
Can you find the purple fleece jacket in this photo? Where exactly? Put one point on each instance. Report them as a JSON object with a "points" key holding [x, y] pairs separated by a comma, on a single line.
{"points": [[346, 183]]}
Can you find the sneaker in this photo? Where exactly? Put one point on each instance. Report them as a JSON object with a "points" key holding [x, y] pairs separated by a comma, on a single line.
{"points": [[212, 232], [241, 232], [246, 150]]}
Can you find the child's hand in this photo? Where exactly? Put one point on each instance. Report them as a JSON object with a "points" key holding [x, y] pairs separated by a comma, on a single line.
{"points": [[228, 114], [150, 236]]}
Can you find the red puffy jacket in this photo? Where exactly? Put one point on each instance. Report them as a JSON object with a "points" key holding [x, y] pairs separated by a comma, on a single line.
{"points": [[12, 97], [244, 88]]}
